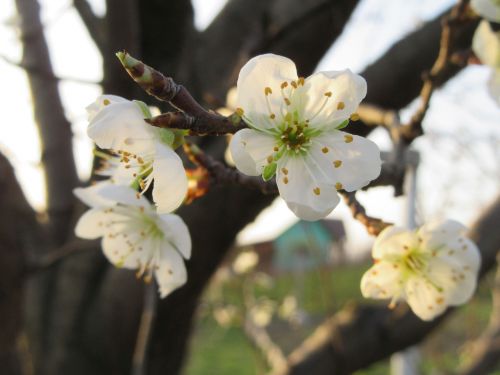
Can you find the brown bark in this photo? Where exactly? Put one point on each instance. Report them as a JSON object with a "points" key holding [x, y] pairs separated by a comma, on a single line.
{"points": [[17, 225]]}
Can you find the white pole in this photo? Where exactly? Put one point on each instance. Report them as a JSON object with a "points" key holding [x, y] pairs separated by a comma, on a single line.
{"points": [[407, 361]]}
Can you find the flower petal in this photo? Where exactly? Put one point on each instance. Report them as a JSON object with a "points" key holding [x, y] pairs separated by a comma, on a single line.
{"points": [[331, 97], [129, 249], [494, 85], [91, 224], [124, 195], [382, 281], [425, 299], [177, 233], [242, 160], [250, 150], [100, 103], [486, 44], [308, 198], [171, 272], [488, 9], [350, 160], [438, 233], [120, 126], [454, 277], [261, 72], [170, 180], [394, 242], [92, 196]]}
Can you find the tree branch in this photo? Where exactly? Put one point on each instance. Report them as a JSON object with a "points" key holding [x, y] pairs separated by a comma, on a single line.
{"points": [[452, 25], [222, 175], [45, 74], [93, 23], [18, 232], [373, 225], [55, 130]]}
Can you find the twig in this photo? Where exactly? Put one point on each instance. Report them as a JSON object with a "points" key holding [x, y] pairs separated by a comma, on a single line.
{"points": [[166, 89], [45, 261], [373, 225], [390, 175], [262, 341], [220, 174], [93, 23], [46, 74], [452, 23], [139, 361], [204, 125], [372, 115]]}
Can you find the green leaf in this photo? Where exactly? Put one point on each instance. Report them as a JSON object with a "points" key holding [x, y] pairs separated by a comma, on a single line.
{"points": [[167, 136], [144, 108], [269, 171], [179, 135], [343, 124]]}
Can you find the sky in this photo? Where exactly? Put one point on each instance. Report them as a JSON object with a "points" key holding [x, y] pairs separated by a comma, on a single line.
{"points": [[459, 171]]}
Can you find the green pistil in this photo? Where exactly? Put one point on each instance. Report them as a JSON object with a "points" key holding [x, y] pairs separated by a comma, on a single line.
{"points": [[294, 136], [152, 229], [415, 263]]}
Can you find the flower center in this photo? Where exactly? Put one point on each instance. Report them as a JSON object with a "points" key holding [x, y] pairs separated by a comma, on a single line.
{"points": [[294, 135], [415, 262], [140, 167]]}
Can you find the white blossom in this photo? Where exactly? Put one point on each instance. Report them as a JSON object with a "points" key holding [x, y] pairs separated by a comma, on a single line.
{"points": [[144, 154], [486, 46], [488, 9], [294, 133], [134, 236], [431, 268]]}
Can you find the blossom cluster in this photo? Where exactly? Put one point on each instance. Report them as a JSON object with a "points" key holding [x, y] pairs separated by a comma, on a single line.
{"points": [[294, 135], [135, 234], [431, 268]]}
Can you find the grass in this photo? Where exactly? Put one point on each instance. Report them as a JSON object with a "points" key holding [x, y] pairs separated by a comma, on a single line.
{"points": [[221, 350]]}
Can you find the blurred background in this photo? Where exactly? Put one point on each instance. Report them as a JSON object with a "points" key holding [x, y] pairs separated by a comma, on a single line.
{"points": [[260, 281]]}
